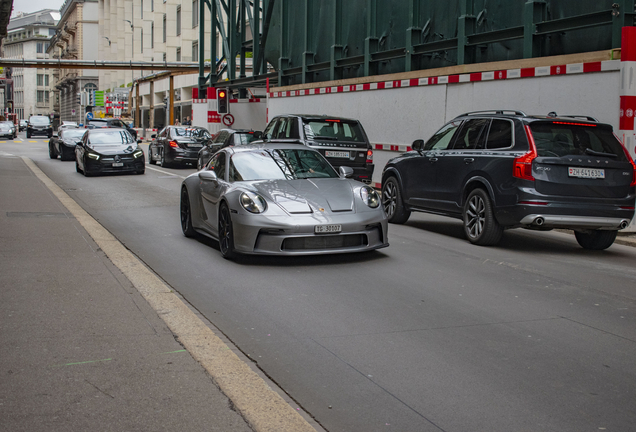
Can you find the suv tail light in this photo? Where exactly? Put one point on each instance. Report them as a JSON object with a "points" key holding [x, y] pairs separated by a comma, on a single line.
{"points": [[522, 167], [369, 156], [631, 161]]}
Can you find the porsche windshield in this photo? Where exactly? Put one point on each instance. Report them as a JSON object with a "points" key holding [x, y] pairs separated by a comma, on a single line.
{"points": [[284, 164]]}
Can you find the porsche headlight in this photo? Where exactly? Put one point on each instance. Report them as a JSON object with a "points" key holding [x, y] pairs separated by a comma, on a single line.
{"points": [[252, 202], [138, 154], [369, 196], [93, 156]]}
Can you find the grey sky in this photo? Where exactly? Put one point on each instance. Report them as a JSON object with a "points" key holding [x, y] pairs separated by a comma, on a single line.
{"points": [[36, 5]]}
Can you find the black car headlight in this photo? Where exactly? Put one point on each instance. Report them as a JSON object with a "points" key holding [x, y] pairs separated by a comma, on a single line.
{"points": [[252, 202], [369, 196], [138, 154], [93, 155]]}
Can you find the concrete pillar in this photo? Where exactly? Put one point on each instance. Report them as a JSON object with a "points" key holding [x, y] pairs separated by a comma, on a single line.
{"points": [[152, 105]]}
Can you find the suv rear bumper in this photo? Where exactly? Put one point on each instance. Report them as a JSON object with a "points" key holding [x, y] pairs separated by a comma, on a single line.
{"points": [[363, 174], [573, 222]]}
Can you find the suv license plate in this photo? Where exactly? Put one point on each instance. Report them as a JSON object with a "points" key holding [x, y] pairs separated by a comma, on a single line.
{"points": [[195, 145], [586, 173], [323, 229], [337, 154], [118, 164]]}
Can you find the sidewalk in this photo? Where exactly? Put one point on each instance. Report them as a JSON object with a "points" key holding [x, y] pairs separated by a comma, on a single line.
{"points": [[80, 348]]}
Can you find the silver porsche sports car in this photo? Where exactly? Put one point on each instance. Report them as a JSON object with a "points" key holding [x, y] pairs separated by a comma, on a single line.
{"points": [[284, 199]]}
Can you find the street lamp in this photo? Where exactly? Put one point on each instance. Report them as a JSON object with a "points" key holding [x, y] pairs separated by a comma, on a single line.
{"points": [[107, 40]]}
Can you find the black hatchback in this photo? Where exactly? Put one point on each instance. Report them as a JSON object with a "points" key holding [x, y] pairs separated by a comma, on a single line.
{"points": [[504, 169]]}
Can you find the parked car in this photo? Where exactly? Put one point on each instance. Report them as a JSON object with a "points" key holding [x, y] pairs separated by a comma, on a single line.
{"points": [[504, 169], [341, 141], [177, 145], [8, 129], [282, 199], [39, 125], [22, 125], [110, 123], [63, 143], [225, 138], [108, 151]]}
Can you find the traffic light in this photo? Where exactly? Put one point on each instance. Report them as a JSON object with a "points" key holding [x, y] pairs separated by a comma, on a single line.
{"points": [[91, 97], [79, 98], [223, 100]]}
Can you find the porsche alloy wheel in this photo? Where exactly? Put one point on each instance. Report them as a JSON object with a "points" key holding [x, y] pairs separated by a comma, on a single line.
{"points": [[186, 214], [226, 233]]}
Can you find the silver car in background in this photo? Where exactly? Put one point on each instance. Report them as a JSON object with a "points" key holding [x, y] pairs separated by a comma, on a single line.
{"points": [[281, 199]]}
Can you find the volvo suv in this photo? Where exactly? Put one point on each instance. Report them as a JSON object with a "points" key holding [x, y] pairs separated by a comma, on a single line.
{"points": [[504, 169], [39, 125], [341, 141]]}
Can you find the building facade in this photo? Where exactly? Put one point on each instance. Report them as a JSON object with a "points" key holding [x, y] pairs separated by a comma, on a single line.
{"points": [[28, 37], [76, 38]]}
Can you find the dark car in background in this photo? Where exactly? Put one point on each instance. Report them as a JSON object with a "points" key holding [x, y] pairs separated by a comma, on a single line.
{"points": [[177, 145], [110, 123], [8, 129], [108, 151], [225, 138], [63, 143], [22, 125], [504, 169], [39, 125], [342, 141]]}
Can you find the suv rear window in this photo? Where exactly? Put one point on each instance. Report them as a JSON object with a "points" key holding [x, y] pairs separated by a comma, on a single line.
{"points": [[337, 130], [558, 139]]}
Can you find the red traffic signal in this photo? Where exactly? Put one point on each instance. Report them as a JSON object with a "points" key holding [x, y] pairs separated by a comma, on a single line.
{"points": [[223, 101]]}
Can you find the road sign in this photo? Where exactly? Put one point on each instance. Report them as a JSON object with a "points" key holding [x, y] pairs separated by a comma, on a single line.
{"points": [[72, 112], [228, 120], [89, 115]]}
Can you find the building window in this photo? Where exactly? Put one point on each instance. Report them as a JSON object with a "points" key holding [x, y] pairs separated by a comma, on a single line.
{"points": [[40, 79], [142, 40], [164, 57], [51, 32], [152, 34], [195, 51], [164, 28], [142, 9], [195, 13], [152, 5], [40, 96], [46, 80], [178, 20], [40, 47], [178, 54]]}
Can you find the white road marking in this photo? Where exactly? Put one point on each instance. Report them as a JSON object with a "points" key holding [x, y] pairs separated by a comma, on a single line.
{"points": [[163, 172]]}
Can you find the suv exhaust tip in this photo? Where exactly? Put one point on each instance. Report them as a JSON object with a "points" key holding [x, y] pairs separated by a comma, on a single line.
{"points": [[539, 221], [624, 224]]}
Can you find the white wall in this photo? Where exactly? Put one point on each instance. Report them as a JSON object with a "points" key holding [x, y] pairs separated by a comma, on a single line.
{"points": [[399, 116]]}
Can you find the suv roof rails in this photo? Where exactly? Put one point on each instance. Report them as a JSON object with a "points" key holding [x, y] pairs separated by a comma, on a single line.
{"points": [[589, 118], [515, 112]]}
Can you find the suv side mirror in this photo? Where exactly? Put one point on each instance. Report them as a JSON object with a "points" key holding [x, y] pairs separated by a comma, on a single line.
{"points": [[418, 145], [258, 135], [153, 136]]}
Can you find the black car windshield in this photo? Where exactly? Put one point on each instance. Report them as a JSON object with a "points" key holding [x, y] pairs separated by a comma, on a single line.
{"points": [[40, 121], [283, 164], [333, 130], [562, 138], [110, 137], [72, 133]]}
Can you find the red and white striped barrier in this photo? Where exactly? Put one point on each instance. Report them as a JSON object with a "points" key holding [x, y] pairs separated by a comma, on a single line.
{"points": [[566, 69]]}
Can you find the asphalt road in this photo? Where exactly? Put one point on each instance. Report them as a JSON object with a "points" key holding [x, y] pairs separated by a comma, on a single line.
{"points": [[430, 334]]}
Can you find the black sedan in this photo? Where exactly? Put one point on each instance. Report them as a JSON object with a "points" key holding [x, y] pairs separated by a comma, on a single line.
{"points": [[109, 151], [63, 143], [225, 138], [177, 145], [8, 129]]}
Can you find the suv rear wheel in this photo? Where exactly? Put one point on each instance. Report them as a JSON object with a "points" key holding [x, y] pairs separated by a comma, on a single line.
{"points": [[392, 202], [595, 239], [480, 224]]}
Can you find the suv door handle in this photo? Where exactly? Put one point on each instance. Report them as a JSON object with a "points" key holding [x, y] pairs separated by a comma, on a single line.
{"points": [[469, 160], [432, 159]]}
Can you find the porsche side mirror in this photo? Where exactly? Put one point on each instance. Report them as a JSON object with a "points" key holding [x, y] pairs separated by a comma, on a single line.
{"points": [[139, 140], [153, 136], [418, 145], [258, 135], [345, 172], [208, 175]]}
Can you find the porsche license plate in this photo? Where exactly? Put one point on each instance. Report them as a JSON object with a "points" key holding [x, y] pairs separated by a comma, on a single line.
{"points": [[118, 164], [336, 154], [325, 229], [586, 173]]}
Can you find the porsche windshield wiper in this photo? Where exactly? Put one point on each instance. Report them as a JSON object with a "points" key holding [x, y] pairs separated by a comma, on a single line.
{"points": [[598, 153]]}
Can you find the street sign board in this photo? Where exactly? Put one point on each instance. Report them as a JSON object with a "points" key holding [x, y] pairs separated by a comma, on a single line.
{"points": [[89, 116], [99, 98]]}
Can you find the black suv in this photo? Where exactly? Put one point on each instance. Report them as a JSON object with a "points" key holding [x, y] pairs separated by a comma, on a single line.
{"points": [[110, 123], [505, 169], [39, 125], [341, 141]]}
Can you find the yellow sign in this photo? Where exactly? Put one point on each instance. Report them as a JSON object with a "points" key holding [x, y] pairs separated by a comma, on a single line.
{"points": [[101, 114]]}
